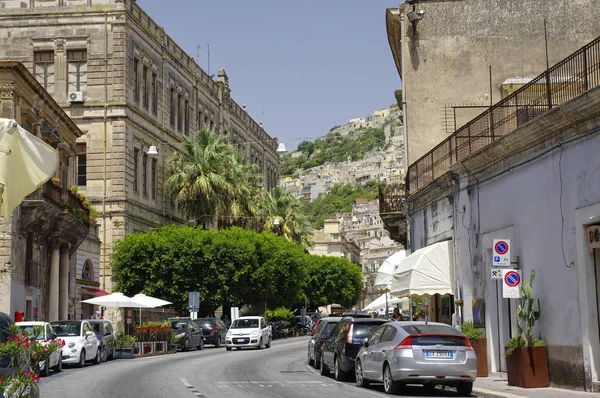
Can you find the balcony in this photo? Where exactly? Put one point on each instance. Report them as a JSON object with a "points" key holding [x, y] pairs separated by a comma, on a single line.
{"points": [[54, 211], [563, 82], [391, 211]]}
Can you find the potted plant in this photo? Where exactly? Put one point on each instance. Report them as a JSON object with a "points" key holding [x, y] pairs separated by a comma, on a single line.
{"points": [[74, 189], [526, 355], [56, 181], [477, 339], [124, 346]]}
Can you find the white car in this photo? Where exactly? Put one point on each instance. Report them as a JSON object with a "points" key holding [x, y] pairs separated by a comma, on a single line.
{"points": [[45, 334], [248, 331], [81, 344]]}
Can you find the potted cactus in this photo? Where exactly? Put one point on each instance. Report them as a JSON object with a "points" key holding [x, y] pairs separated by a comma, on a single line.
{"points": [[526, 355]]}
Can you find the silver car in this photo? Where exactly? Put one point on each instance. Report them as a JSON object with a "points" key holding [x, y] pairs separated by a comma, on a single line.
{"points": [[400, 353]]}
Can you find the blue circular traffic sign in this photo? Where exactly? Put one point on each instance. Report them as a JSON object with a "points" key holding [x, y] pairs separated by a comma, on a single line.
{"points": [[501, 247], [512, 278]]}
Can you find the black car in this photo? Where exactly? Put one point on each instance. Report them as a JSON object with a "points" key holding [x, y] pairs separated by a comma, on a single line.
{"points": [[339, 351], [106, 338], [213, 329], [5, 363], [321, 334], [187, 333]]}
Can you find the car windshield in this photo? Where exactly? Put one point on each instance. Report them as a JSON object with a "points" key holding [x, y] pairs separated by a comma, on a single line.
{"points": [[179, 325], [206, 322], [31, 331], [363, 330], [66, 329], [244, 324]]}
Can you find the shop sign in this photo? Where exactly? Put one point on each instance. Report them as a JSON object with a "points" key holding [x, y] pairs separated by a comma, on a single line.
{"points": [[593, 237]]}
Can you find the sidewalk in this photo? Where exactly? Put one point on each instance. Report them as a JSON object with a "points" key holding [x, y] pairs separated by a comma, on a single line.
{"points": [[496, 386]]}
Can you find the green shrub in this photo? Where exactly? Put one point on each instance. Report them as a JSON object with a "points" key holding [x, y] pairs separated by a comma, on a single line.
{"points": [[279, 314], [471, 332]]}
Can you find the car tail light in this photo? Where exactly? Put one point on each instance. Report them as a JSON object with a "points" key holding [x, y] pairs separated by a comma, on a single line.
{"points": [[213, 330], [349, 337], [405, 344], [468, 345]]}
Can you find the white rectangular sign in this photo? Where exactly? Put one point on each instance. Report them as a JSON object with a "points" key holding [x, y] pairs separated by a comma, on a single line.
{"points": [[511, 283], [496, 273], [501, 253]]}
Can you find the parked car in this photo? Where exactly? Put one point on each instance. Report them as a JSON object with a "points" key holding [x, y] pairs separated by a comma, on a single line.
{"points": [[81, 344], [306, 325], [106, 338], [5, 363], [339, 350], [319, 336], [248, 331], [358, 314], [214, 331], [400, 353], [44, 334], [187, 333], [316, 325]]}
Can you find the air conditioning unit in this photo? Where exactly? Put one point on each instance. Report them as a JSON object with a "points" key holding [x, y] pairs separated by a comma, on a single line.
{"points": [[76, 96]]}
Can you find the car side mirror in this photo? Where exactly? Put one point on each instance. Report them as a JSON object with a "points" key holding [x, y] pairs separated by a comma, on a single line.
{"points": [[89, 333], [366, 342]]}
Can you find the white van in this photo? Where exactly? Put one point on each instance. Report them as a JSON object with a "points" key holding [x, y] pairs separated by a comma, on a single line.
{"points": [[248, 331]]}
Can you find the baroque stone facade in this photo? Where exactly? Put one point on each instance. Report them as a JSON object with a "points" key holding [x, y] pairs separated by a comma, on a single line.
{"points": [[128, 86], [39, 245]]}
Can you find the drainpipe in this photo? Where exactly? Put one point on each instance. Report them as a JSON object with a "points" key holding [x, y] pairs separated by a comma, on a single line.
{"points": [[403, 72], [105, 143]]}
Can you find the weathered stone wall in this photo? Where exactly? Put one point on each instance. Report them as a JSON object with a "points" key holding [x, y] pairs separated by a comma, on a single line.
{"points": [[448, 58]]}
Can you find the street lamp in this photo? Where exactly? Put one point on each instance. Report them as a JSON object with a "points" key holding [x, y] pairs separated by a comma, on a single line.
{"points": [[152, 151], [281, 149]]}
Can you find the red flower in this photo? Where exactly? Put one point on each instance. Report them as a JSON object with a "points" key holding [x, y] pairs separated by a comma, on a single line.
{"points": [[36, 378]]}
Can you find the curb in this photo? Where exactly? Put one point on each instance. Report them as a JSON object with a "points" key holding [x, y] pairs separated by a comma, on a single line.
{"points": [[482, 392]]}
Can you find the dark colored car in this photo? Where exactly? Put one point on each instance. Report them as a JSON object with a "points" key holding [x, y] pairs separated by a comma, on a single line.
{"points": [[339, 351], [319, 336], [306, 325], [5, 368], [214, 330], [106, 338], [187, 333]]}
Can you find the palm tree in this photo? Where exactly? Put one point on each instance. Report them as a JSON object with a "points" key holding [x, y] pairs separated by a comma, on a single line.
{"points": [[279, 204], [207, 178]]}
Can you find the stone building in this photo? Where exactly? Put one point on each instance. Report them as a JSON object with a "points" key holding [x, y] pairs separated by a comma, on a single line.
{"points": [[129, 87], [40, 244]]}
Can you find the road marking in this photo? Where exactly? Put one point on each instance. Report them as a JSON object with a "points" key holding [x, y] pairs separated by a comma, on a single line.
{"points": [[190, 387]]}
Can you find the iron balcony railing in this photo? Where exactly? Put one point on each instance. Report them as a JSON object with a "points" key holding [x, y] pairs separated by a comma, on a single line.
{"points": [[564, 81], [65, 199], [391, 198]]}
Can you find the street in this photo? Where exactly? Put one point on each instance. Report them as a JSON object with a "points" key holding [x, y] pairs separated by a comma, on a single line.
{"points": [[275, 372]]}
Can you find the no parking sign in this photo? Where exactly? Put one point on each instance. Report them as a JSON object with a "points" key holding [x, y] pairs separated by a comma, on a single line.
{"points": [[511, 283], [501, 253]]}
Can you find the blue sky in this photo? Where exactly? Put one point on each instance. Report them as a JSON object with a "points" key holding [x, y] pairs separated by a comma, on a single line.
{"points": [[301, 67]]}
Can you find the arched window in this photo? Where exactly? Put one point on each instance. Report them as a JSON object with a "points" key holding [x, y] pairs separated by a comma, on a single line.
{"points": [[88, 271]]}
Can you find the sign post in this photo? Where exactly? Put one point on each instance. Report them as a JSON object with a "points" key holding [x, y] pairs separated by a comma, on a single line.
{"points": [[194, 304], [511, 283]]}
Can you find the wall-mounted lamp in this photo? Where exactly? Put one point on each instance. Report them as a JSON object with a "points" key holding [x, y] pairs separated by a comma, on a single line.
{"points": [[414, 17], [152, 151]]}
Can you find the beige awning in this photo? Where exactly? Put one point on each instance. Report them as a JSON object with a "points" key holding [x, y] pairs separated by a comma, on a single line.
{"points": [[425, 272]]}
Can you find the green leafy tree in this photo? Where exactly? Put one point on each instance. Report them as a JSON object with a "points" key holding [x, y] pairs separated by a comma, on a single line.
{"points": [[333, 280], [279, 204]]}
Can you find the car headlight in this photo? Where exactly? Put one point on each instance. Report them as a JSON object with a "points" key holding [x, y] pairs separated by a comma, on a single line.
{"points": [[71, 344], [254, 333]]}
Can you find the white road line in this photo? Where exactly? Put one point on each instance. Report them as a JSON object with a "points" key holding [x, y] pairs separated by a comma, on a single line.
{"points": [[186, 383]]}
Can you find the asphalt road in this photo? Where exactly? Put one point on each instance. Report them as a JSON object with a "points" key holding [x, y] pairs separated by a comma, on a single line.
{"points": [[280, 371]]}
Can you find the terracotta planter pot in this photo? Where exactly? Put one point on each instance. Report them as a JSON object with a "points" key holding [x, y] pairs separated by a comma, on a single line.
{"points": [[528, 367], [480, 347]]}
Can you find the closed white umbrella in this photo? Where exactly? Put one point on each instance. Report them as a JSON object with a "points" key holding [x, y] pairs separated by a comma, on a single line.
{"points": [[25, 162], [149, 301]]}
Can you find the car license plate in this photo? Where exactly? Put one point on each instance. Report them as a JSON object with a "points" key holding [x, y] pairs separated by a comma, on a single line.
{"points": [[238, 340], [439, 354]]}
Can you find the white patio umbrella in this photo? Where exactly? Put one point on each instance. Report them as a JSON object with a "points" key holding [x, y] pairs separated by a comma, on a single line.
{"points": [[385, 273], [116, 299], [149, 301], [380, 302], [25, 162]]}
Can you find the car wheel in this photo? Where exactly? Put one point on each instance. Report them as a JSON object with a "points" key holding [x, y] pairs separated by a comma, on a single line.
{"points": [[96, 359], [389, 385], [360, 377], [311, 361], [103, 354], [201, 346], [58, 367], [228, 348], [324, 370], [45, 371], [268, 345], [338, 373], [81, 362], [218, 344], [260, 344], [186, 345], [317, 361], [465, 388]]}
